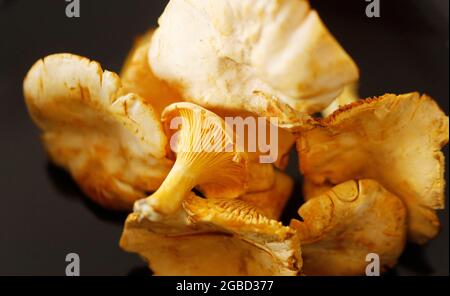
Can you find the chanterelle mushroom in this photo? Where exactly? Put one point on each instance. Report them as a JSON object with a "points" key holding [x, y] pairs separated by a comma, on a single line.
{"points": [[212, 237], [111, 142], [348, 222], [218, 52], [207, 157], [395, 140]]}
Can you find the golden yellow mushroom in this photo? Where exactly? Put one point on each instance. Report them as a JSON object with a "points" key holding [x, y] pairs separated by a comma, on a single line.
{"points": [[348, 222], [395, 140], [111, 141], [212, 237], [207, 158]]}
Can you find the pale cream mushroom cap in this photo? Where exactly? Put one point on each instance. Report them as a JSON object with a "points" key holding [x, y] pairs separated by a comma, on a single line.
{"points": [[218, 52], [110, 141]]}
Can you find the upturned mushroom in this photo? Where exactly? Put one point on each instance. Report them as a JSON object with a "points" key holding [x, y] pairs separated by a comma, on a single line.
{"points": [[213, 237], [207, 158]]}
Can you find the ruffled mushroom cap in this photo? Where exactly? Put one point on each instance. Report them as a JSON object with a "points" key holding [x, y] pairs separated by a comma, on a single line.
{"points": [[213, 237], [229, 49], [207, 158], [395, 140], [138, 78], [111, 142], [342, 226]]}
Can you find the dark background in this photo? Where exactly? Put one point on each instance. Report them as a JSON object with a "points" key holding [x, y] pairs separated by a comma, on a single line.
{"points": [[43, 215]]}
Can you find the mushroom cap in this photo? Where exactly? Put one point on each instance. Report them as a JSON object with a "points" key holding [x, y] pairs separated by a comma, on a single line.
{"points": [[111, 142], [204, 143], [138, 78], [213, 237], [229, 49], [342, 226], [395, 140]]}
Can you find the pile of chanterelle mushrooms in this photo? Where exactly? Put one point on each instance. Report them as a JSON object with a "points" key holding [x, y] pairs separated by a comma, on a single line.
{"points": [[373, 170]]}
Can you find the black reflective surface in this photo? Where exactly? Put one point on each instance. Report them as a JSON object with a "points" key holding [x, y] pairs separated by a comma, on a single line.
{"points": [[43, 214]]}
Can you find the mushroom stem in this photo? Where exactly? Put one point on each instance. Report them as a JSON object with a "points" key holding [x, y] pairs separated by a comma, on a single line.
{"points": [[178, 183]]}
